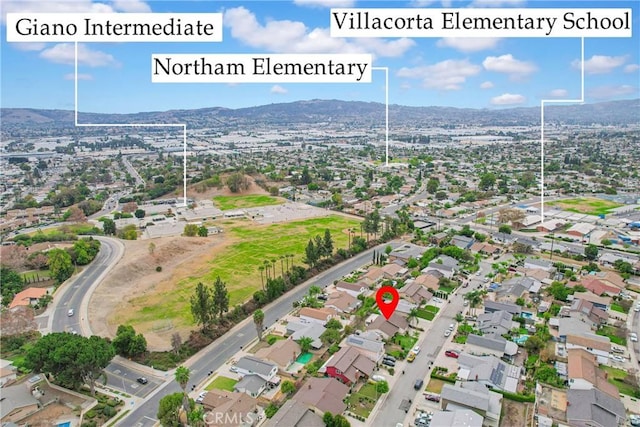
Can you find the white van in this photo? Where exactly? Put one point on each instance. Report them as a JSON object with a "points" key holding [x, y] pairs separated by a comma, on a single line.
{"points": [[70, 312]]}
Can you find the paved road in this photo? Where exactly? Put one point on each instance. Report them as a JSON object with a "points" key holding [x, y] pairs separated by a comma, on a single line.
{"points": [[403, 396], [219, 352]]}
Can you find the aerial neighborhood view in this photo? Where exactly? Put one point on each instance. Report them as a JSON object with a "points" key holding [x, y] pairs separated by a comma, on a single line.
{"points": [[454, 244]]}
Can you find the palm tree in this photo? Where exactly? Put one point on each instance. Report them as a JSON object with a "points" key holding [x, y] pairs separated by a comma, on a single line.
{"points": [[282, 265], [291, 256], [305, 344], [267, 266], [261, 269], [412, 317], [182, 375], [258, 319], [273, 266]]}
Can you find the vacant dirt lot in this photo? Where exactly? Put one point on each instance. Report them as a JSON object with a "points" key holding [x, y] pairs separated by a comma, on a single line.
{"points": [[136, 275]]}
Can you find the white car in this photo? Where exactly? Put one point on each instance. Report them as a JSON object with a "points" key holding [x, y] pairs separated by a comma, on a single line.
{"points": [[378, 378], [618, 358], [416, 350], [233, 369], [447, 332], [636, 308], [633, 336], [452, 326]]}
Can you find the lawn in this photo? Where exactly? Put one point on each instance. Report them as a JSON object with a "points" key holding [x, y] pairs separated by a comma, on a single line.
{"points": [[586, 205], [237, 265], [425, 314], [226, 203], [609, 331], [222, 383], [615, 377], [618, 308], [432, 308], [36, 274], [406, 342], [435, 386], [362, 402]]}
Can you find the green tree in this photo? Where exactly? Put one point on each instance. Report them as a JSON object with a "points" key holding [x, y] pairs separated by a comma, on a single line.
{"points": [[190, 230], [331, 420], [237, 182], [559, 291], [412, 317], [60, 264], [591, 252], [203, 231], [129, 232], [305, 344], [504, 228], [432, 185], [10, 285], [382, 387], [202, 306], [139, 213], [169, 410], [288, 387], [330, 336], [487, 181], [258, 319], [220, 298], [127, 343], [333, 324], [534, 344], [182, 375], [72, 359], [327, 244], [312, 254]]}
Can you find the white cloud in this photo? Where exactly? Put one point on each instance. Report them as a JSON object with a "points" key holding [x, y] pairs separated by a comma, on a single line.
{"points": [[325, 3], [486, 85], [76, 6], [278, 89], [64, 53], [612, 91], [509, 65], [29, 46], [558, 93], [508, 99], [294, 37], [422, 3], [131, 6], [446, 75], [469, 44], [497, 3], [631, 68], [72, 76], [600, 64]]}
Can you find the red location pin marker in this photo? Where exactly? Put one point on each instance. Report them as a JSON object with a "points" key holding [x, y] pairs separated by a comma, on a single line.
{"points": [[387, 307]]}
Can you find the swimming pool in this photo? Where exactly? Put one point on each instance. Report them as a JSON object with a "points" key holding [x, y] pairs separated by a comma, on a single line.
{"points": [[527, 315], [521, 339], [65, 424], [304, 358]]}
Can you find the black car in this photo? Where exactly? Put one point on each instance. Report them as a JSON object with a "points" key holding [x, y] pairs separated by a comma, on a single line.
{"points": [[389, 357], [388, 362], [142, 380]]}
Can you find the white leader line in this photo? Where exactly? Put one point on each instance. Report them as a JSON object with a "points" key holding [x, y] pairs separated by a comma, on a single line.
{"points": [[181, 125], [386, 110], [542, 102]]}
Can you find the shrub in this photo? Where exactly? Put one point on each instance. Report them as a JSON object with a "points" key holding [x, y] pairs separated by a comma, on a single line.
{"points": [[159, 269], [90, 414], [271, 340], [109, 411]]}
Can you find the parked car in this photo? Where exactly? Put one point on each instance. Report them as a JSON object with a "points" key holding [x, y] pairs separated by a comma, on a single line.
{"points": [[452, 353], [378, 378], [447, 332], [452, 326], [617, 349], [411, 357], [389, 363], [389, 357], [633, 337], [416, 350], [142, 380], [618, 358], [418, 384], [432, 397]]}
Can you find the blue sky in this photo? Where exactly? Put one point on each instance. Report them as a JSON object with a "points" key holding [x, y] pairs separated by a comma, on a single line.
{"points": [[475, 73]]}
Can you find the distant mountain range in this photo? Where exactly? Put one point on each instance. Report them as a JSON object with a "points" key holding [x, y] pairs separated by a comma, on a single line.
{"points": [[349, 113]]}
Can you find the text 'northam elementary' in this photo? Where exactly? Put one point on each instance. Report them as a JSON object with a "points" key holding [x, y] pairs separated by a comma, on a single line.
{"points": [[267, 68]]}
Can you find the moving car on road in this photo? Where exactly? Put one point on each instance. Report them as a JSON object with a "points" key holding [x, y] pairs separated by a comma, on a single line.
{"points": [[142, 380]]}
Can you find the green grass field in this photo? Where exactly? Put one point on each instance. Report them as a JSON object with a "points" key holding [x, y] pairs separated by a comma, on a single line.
{"points": [[615, 377], [586, 205], [249, 201], [222, 383], [237, 265], [30, 275]]}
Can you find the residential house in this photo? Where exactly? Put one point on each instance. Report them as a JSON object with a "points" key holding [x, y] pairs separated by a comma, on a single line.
{"points": [[251, 365], [342, 302], [283, 353], [17, 403], [463, 242], [587, 312], [295, 414], [584, 373], [393, 271], [594, 408], [349, 365], [597, 286], [485, 248], [253, 385], [317, 315], [537, 263], [490, 345], [368, 344], [456, 418], [29, 296], [597, 345], [550, 225], [438, 238], [323, 395], [8, 372], [416, 293], [491, 306], [429, 281], [600, 302], [239, 409], [388, 328], [611, 278], [297, 330], [572, 326], [372, 276], [353, 289], [515, 287], [490, 371], [406, 252], [444, 264], [474, 396], [497, 323]]}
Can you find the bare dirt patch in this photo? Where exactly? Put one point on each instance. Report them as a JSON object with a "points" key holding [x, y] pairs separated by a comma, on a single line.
{"points": [[135, 275], [515, 413], [48, 415]]}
